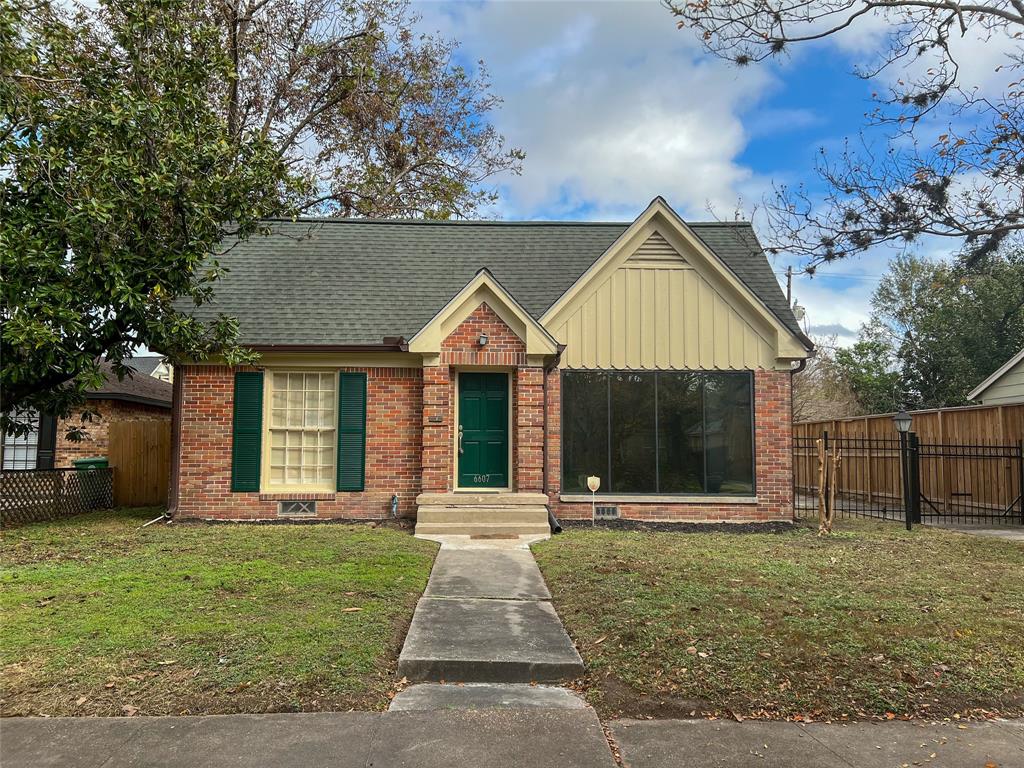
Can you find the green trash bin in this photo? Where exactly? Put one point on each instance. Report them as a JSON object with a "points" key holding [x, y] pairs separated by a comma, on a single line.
{"points": [[92, 489], [97, 463]]}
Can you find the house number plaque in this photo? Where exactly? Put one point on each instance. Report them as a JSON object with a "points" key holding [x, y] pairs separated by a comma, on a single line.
{"points": [[481, 478]]}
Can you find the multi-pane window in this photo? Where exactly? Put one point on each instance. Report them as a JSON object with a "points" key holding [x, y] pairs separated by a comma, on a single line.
{"points": [[303, 440], [22, 451], [670, 432]]}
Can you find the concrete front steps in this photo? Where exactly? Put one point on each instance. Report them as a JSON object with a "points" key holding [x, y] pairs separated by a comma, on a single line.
{"points": [[481, 514]]}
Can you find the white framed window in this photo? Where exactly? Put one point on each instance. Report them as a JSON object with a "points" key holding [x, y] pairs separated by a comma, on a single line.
{"points": [[22, 451], [302, 430]]}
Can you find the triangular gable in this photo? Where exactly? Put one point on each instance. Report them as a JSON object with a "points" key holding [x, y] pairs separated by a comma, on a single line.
{"points": [[996, 375], [658, 231], [483, 289]]}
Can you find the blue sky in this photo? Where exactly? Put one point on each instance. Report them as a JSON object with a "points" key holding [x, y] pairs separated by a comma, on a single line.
{"points": [[613, 105]]}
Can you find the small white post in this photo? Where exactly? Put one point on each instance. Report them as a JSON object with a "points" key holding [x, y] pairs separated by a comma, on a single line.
{"points": [[593, 483]]}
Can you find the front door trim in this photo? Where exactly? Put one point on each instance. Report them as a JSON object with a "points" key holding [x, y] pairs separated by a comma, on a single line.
{"points": [[457, 488]]}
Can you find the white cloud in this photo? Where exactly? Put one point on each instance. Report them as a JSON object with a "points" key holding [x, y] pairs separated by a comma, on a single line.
{"points": [[612, 104]]}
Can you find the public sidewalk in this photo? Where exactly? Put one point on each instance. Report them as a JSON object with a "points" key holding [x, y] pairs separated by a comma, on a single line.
{"points": [[722, 743], [496, 738]]}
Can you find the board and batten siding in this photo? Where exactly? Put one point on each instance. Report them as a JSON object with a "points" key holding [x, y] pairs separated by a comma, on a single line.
{"points": [[1008, 388], [656, 311]]}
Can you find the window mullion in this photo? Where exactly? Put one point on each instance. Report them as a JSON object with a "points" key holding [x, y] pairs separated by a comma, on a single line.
{"points": [[657, 439]]}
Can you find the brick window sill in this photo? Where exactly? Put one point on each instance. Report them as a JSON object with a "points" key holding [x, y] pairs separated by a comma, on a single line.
{"points": [[299, 496]]}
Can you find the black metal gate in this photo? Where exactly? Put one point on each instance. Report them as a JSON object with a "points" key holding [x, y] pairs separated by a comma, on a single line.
{"points": [[905, 480]]}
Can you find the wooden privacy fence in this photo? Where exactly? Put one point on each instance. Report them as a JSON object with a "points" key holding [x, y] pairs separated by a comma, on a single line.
{"points": [[966, 462], [970, 425], [140, 454]]}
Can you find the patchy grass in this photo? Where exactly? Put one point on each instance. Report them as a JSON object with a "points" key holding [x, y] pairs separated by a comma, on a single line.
{"points": [[101, 618], [870, 622]]}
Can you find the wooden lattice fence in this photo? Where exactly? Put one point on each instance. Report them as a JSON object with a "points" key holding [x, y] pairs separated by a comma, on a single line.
{"points": [[34, 495]]}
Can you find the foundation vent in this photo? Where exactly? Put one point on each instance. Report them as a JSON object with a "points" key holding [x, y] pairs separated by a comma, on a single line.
{"points": [[606, 513], [296, 509]]}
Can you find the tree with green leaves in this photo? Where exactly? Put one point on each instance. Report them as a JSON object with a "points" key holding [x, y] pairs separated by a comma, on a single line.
{"points": [[137, 138], [118, 181], [938, 329]]}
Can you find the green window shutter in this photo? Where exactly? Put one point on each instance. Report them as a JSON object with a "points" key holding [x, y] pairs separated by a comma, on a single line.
{"points": [[247, 431], [351, 431]]}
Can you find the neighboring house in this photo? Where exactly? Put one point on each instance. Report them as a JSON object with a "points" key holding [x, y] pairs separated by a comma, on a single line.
{"points": [[140, 398], [1004, 386], [153, 365], [476, 372]]}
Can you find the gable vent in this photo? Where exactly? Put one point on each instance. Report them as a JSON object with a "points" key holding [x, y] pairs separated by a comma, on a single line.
{"points": [[656, 249]]}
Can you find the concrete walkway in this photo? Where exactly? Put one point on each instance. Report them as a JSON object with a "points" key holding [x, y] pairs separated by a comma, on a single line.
{"points": [[486, 617]]}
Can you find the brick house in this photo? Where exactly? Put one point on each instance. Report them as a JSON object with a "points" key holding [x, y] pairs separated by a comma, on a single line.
{"points": [[139, 398], [475, 374]]}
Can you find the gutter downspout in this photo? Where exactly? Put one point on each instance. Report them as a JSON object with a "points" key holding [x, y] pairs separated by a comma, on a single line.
{"points": [[544, 445], [176, 395], [792, 398]]}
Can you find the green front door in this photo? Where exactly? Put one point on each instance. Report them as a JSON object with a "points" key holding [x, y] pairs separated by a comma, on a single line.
{"points": [[483, 430]]}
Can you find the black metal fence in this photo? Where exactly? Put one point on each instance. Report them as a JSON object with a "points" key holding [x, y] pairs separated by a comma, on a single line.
{"points": [[33, 495], [905, 480]]}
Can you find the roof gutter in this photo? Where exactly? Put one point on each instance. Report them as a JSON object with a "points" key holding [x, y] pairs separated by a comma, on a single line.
{"points": [[389, 344], [128, 398]]}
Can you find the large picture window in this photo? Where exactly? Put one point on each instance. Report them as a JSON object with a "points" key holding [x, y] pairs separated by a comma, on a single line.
{"points": [[302, 424], [668, 432]]}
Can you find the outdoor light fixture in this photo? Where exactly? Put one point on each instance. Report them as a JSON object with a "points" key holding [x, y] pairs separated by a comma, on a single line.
{"points": [[483, 340], [902, 421]]}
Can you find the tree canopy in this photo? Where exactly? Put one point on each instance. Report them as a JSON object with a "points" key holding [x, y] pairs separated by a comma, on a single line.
{"points": [[139, 136], [940, 157], [937, 331]]}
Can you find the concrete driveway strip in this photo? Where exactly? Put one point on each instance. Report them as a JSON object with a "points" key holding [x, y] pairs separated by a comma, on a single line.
{"points": [[487, 573], [718, 743]]}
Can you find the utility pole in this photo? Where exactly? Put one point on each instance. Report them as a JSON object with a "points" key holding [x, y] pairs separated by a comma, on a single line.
{"points": [[789, 285]]}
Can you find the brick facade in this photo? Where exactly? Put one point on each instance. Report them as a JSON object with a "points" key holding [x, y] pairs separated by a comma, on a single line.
{"points": [[96, 439], [410, 438], [394, 407]]}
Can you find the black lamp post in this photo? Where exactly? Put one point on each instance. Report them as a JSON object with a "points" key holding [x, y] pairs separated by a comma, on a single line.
{"points": [[903, 420]]}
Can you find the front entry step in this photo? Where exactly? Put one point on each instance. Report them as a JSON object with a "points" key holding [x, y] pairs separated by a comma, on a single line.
{"points": [[469, 514], [484, 641], [485, 696]]}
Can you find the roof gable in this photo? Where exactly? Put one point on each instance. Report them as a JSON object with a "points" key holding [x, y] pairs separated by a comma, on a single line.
{"points": [[999, 373], [483, 289], [652, 240]]}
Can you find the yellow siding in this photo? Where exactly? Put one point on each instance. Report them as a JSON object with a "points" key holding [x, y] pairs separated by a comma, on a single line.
{"points": [[657, 312]]}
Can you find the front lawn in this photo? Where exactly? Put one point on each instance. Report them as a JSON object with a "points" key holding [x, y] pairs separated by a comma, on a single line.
{"points": [[870, 622], [100, 618]]}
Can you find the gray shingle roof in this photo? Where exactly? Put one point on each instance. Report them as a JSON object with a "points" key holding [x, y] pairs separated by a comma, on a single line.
{"points": [[144, 363], [354, 281], [139, 388]]}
